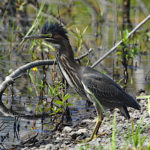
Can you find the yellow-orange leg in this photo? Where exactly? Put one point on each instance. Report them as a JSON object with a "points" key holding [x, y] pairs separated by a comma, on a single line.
{"points": [[95, 131]]}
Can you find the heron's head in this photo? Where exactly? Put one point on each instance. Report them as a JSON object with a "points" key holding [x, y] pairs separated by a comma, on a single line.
{"points": [[51, 32], [56, 35]]}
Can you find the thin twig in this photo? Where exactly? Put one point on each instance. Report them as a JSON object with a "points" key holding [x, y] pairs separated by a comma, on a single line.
{"points": [[120, 42], [84, 55]]}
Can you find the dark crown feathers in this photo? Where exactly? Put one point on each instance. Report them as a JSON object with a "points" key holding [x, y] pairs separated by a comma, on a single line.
{"points": [[54, 28]]}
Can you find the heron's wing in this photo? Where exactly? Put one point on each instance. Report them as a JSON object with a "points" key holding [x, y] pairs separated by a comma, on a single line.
{"points": [[106, 90]]}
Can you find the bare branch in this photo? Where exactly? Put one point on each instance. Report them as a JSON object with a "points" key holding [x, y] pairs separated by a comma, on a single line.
{"points": [[84, 55], [10, 79], [120, 42]]}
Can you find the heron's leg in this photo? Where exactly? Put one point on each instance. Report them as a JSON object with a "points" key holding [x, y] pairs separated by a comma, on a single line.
{"points": [[97, 126], [99, 119]]}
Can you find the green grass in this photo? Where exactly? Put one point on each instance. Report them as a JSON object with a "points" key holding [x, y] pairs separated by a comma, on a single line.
{"points": [[113, 146]]}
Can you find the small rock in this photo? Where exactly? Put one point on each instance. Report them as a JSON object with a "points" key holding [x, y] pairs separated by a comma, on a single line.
{"points": [[80, 131], [67, 129], [87, 121]]}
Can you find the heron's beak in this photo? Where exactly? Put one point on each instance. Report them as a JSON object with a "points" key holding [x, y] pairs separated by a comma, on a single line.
{"points": [[47, 37], [35, 37]]}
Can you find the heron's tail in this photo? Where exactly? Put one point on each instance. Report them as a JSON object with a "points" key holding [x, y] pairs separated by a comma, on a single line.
{"points": [[133, 103], [125, 112]]}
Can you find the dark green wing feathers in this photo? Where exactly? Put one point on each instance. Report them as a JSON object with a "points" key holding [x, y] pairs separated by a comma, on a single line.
{"points": [[107, 91]]}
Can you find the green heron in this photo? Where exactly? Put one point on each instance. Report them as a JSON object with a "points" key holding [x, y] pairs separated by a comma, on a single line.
{"points": [[87, 82]]}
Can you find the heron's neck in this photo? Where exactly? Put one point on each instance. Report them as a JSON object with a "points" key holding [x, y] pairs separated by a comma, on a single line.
{"points": [[66, 50], [69, 68]]}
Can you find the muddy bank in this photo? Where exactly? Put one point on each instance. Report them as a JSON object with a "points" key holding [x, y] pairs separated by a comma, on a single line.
{"points": [[68, 135]]}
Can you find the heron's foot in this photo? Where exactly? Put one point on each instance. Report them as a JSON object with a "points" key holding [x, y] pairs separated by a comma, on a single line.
{"points": [[97, 136], [91, 138], [86, 140]]}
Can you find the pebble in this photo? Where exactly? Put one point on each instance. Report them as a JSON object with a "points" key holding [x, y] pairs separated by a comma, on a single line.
{"points": [[67, 129], [80, 131], [87, 121]]}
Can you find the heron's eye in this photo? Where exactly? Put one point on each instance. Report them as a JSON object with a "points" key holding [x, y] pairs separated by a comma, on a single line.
{"points": [[49, 35]]}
